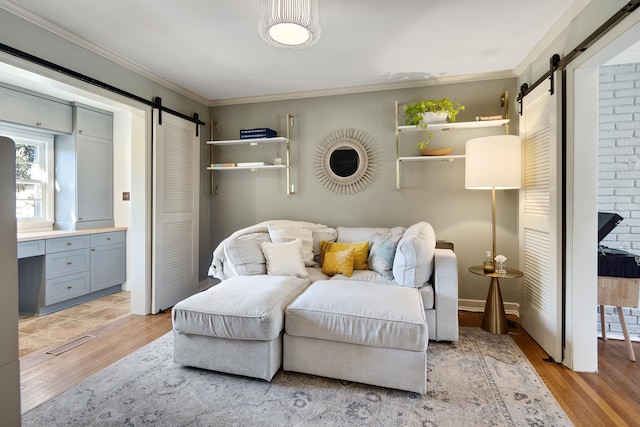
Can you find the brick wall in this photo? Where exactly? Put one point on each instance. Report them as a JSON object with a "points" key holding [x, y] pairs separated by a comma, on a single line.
{"points": [[619, 170]]}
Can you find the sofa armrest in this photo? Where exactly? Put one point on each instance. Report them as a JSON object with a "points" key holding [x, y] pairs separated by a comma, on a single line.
{"points": [[445, 286]]}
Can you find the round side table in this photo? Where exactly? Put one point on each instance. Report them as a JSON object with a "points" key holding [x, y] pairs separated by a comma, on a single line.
{"points": [[495, 319]]}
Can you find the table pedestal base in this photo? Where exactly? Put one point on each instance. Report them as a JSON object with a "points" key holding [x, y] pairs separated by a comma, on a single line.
{"points": [[494, 320]]}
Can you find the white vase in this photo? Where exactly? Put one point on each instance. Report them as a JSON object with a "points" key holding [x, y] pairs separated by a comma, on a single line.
{"points": [[438, 117]]}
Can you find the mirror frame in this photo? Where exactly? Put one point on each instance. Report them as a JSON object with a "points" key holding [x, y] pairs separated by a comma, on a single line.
{"points": [[360, 142]]}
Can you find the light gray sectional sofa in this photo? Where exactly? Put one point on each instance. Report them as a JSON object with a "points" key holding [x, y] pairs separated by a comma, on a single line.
{"points": [[290, 298]]}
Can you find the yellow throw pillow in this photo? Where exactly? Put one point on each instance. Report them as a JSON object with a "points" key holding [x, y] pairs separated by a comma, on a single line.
{"points": [[339, 262], [360, 252]]}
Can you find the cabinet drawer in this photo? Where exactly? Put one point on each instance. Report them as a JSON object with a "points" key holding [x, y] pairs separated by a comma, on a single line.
{"points": [[67, 243], [94, 123], [67, 287], [31, 248], [107, 238], [65, 263]]}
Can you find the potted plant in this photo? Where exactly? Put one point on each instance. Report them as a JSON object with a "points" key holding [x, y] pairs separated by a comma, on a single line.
{"points": [[424, 112]]}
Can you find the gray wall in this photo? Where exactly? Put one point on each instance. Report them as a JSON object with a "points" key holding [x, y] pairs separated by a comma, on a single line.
{"points": [[432, 191]]}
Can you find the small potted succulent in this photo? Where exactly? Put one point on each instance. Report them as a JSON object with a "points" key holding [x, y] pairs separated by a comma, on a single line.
{"points": [[432, 111]]}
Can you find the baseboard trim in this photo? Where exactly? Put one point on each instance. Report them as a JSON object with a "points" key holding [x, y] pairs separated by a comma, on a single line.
{"points": [[477, 306]]}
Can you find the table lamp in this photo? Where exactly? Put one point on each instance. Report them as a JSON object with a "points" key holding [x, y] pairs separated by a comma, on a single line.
{"points": [[493, 163]]}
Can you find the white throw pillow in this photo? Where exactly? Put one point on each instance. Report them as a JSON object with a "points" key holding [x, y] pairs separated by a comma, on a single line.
{"points": [[413, 262], [281, 234], [284, 259]]}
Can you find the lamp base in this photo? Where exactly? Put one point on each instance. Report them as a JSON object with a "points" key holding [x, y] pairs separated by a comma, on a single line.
{"points": [[495, 319]]}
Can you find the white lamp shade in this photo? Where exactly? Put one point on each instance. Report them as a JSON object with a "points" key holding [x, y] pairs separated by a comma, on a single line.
{"points": [[289, 23], [493, 162]]}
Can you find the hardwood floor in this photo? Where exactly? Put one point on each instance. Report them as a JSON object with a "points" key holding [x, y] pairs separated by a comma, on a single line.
{"points": [[605, 399], [44, 376]]}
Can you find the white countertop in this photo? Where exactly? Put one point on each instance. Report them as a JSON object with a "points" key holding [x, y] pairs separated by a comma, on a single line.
{"points": [[38, 235]]}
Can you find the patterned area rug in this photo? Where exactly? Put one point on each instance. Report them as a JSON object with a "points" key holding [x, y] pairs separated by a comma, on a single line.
{"points": [[482, 380]]}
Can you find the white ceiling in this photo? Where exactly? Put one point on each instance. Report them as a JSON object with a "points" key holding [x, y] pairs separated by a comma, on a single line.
{"points": [[211, 51]]}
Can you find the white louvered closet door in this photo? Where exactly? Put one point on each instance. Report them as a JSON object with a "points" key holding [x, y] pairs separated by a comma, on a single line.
{"points": [[174, 259], [540, 220]]}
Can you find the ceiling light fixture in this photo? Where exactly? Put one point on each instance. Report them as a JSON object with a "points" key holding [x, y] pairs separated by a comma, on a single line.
{"points": [[292, 24]]}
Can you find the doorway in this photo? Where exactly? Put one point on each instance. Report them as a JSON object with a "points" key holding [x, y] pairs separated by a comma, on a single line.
{"points": [[132, 166], [581, 352]]}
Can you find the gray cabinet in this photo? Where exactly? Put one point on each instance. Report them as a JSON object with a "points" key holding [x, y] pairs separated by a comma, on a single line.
{"points": [[22, 107], [61, 272], [84, 172], [108, 264]]}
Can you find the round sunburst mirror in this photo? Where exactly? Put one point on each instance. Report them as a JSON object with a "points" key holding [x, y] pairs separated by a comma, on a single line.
{"points": [[345, 161]]}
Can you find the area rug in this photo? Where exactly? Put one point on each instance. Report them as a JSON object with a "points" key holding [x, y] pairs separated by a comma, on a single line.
{"points": [[482, 380]]}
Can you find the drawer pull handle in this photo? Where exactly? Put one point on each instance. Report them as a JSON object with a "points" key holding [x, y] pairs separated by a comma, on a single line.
{"points": [[69, 287], [108, 238], [69, 243], [69, 262], [93, 250]]}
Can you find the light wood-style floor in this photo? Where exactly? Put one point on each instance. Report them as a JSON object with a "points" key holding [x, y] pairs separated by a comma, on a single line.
{"points": [[611, 397]]}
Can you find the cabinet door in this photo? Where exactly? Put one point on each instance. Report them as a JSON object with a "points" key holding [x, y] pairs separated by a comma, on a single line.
{"points": [[107, 266], [94, 123], [94, 178], [34, 111]]}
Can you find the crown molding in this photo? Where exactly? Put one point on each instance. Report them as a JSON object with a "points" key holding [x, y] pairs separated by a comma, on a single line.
{"points": [[27, 15], [467, 78], [553, 34]]}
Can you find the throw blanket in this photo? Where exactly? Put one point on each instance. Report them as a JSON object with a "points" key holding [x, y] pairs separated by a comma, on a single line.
{"points": [[216, 269]]}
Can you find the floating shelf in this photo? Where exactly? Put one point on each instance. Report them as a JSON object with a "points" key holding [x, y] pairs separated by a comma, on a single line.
{"points": [[443, 127], [250, 141], [231, 168], [456, 125], [431, 158]]}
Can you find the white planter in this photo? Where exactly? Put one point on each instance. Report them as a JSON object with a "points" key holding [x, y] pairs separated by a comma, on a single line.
{"points": [[439, 117]]}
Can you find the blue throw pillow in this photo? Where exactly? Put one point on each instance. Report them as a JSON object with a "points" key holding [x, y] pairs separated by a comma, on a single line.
{"points": [[382, 253]]}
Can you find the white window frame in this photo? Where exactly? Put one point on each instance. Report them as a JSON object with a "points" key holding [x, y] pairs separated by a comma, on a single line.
{"points": [[46, 141]]}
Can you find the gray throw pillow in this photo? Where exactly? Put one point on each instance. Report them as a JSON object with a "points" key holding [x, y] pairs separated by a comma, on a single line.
{"points": [[246, 256]]}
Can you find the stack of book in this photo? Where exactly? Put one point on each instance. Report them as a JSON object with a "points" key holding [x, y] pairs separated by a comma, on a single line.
{"points": [[257, 133]]}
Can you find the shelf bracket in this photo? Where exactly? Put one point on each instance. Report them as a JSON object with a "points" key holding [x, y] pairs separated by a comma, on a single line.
{"points": [[290, 124], [213, 188]]}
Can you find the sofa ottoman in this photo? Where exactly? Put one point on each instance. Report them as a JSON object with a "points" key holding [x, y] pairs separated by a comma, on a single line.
{"points": [[358, 331], [236, 326]]}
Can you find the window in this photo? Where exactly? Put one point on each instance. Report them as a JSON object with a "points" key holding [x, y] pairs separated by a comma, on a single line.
{"points": [[34, 178]]}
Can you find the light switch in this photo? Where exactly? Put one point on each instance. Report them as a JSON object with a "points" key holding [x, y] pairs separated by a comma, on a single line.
{"points": [[126, 195]]}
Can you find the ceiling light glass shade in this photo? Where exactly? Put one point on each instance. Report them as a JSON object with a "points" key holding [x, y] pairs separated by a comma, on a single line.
{"points": [[493, 162], [289, 23]]}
